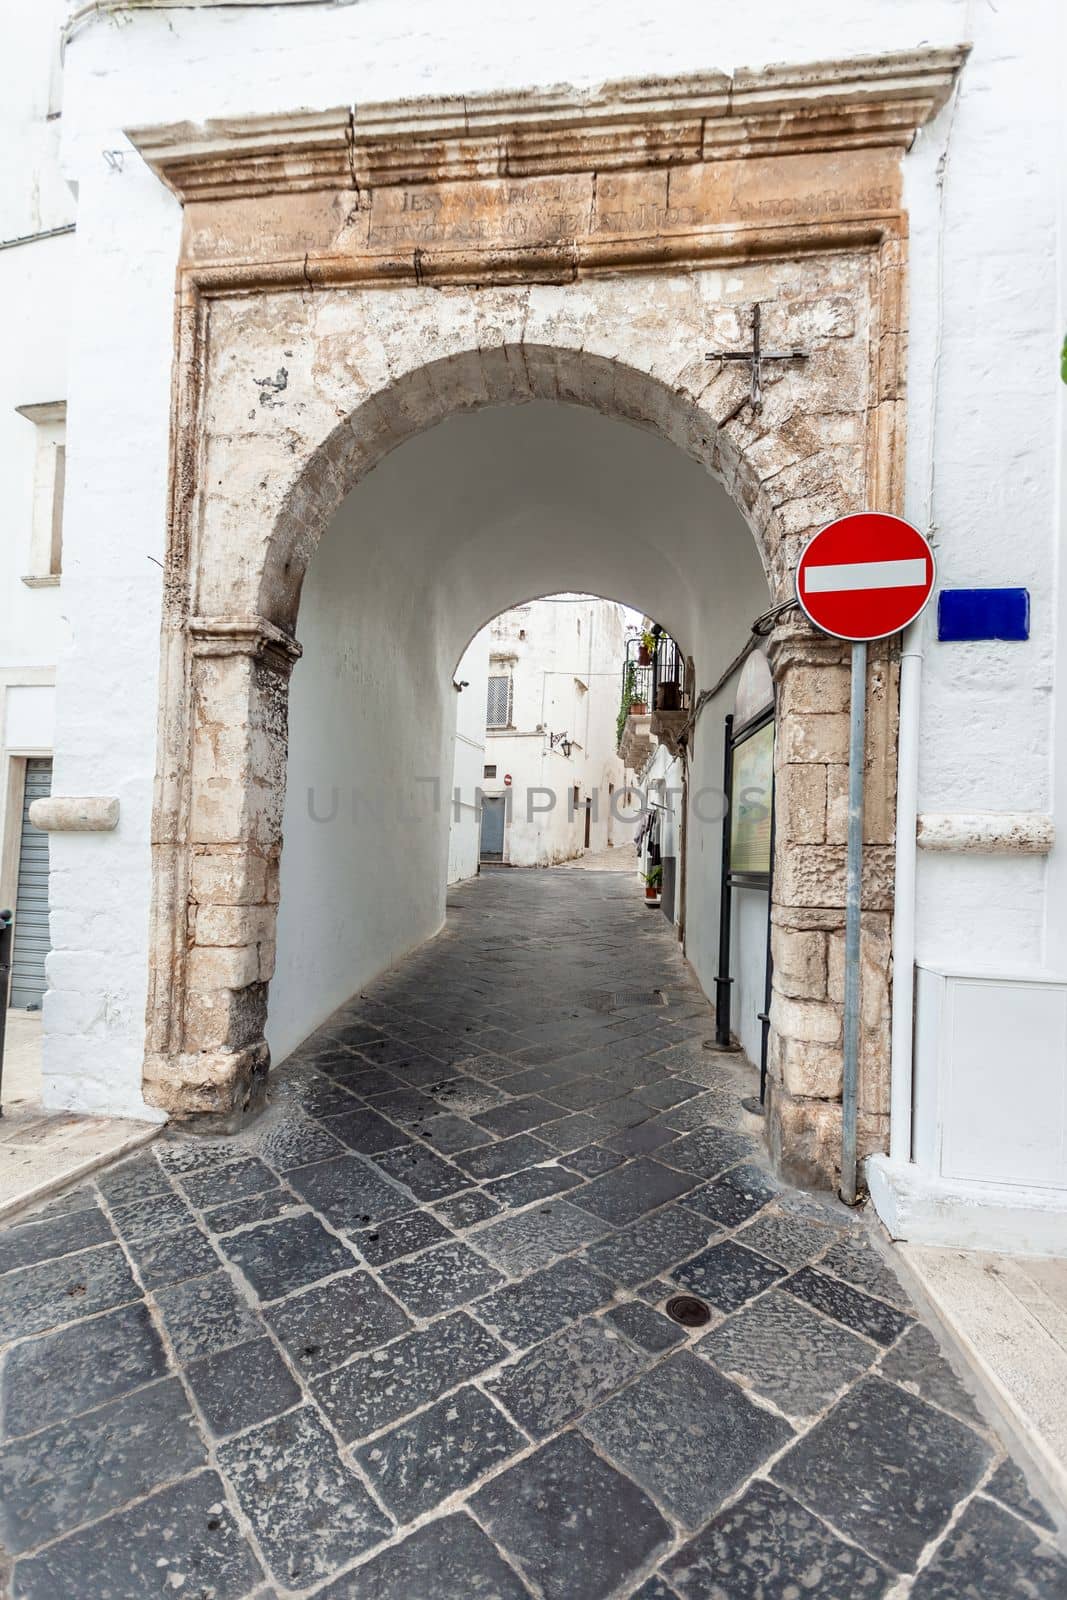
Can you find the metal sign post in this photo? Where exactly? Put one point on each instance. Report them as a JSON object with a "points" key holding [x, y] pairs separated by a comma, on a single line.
{"points": [[857, 734], [862, 577]]}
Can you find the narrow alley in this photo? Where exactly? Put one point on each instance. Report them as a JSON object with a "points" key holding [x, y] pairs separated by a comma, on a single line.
{"points": [[405, 1337]]}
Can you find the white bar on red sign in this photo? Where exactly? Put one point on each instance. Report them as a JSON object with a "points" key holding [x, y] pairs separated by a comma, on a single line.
{"points": [[865, 575]]}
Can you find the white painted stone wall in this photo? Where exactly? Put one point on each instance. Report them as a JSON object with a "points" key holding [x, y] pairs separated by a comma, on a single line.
{"points": [[984, 404], [34, 301], [468, 759], [564, 656]]}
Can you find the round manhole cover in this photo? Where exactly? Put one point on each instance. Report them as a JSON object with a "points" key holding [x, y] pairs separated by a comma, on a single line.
{"points": [[688, 1310]]}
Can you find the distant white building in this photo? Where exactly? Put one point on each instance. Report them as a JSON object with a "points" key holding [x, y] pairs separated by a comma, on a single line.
{"points": [[553, 782], [468, 759]]}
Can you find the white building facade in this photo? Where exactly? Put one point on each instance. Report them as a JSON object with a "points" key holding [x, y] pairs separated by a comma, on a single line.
{"points": [[968, 1135], [552, 770]]}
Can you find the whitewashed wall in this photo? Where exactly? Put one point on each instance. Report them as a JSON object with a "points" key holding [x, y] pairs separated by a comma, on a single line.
{"points": [[565, 659], [468, 760], [984, 405]]}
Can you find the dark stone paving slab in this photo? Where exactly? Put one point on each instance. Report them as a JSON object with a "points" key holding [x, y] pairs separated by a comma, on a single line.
{"points": [[136, 1179], [366, 1132], [378, 1389], [446, 1448], [42, 1296], [246, 1384], [849, 1306], [206, 1314], [655, 1589], [442, 1561], [427, 1175], [768, 1547], [792, 1241], [726, 1275], [686, 1435], [629, 1191], [61, 1374], [260, 1208], [525, 1313], [449, 1133], [152, 1219], [592, 1159], [736, 1196], [440, 1279], [1010, 1487], [645, 1328], [184, 1533], [509, 1155], [282, 1256], [349, 1192], [295, 1142], [42, 1241], [788, 1353], [325, 1325], [710, 1151], [235, 1181], [325, 1516], [856, 1260], [649, 1247], [916, 1363], [464, 1210], [536, 1183], [76, 1471], [565, 1376], [990, 1554], [390, 1241], [185, 1254], [531, 1239], [571, 1523], [885, 1469]]}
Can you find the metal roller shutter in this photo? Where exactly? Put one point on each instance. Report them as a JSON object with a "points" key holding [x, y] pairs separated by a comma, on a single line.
{"points": [[31, 907]]}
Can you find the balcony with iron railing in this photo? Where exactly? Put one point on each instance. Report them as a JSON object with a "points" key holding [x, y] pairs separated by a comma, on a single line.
{"points": [[654, 700]]}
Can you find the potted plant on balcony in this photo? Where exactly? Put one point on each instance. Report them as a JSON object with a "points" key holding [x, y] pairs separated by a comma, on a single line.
{"points": [[645, 649], [653, 883]]}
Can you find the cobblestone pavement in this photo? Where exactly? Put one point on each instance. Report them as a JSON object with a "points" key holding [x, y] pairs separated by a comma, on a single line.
{"points": [[404, 1339]]}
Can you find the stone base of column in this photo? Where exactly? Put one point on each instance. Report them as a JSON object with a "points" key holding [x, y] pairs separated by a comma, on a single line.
{"points": [[804, 1137], [212, 1092]]}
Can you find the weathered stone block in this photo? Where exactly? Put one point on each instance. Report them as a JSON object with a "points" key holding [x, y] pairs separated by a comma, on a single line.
{"points": [[811, 1070], [799, 962], [216, 967], [235, 879], [234, 925], [815, 736], [824, 689], [800, 803], [805, 1019]]}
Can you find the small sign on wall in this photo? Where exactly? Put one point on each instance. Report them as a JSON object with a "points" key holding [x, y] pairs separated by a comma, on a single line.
{"points": [[965, 615]]}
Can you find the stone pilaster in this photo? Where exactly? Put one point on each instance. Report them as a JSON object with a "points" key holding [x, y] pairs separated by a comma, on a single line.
{"points": [[239, 682], [807, 916]]}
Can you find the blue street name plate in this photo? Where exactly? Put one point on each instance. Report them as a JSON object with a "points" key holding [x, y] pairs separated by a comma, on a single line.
{"points": [[965, 614]]}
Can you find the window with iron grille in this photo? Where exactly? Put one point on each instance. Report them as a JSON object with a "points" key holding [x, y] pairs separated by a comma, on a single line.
{"points": [[498, 705], [488, 772]]}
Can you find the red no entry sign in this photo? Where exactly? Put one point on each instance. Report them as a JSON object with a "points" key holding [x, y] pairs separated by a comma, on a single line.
{"points": [[865, 576]]}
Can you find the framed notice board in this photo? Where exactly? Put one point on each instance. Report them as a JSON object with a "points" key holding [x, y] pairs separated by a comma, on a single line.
{"points": [[752, 805]]}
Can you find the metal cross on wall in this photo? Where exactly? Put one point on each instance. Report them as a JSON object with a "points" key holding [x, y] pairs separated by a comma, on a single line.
{"points": [[755, 358]]}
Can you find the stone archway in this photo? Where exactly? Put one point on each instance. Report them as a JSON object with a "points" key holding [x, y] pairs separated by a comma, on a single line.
{"points": [[347, 281]]}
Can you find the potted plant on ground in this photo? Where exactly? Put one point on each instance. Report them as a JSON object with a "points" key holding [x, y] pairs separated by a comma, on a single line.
{"points": [[653, 882]]}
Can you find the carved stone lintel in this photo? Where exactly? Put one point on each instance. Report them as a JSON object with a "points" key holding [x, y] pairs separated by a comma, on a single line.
{"points": [[826, 105], [244, 636]]}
